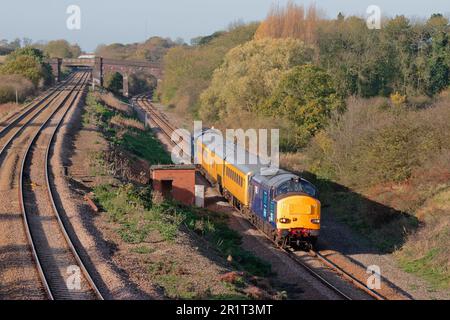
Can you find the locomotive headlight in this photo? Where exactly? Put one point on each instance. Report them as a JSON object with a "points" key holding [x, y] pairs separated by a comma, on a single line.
{"points": [[315, 221], [285, 220]]}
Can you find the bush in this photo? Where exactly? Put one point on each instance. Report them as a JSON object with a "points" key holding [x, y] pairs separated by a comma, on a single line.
{"points": [[29, 63], [368, 144], [114, 82], [9, 84]]}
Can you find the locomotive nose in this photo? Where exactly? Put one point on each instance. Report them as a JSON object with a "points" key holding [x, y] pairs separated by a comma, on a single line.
{"points": [[299, 212]]}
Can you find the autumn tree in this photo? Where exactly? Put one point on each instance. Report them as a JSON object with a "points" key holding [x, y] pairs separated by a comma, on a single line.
{"points": [[307, 97], [249, 75], [292, 21], [61, 49], [28, 62], [188, 70]]}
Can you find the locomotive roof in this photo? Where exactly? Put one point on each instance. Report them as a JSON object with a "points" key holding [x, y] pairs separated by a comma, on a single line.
{"points": [[276, 179]]}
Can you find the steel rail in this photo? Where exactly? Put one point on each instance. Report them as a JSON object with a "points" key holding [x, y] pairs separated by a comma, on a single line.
{"points": [[347, 275], [56, 211], [80, 83], [31, 107], [45, 102], [158, 119], [25, 218]]}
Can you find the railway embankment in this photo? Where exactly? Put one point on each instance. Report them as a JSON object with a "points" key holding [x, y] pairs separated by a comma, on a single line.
{"points": [[351, 247], [142, 246]]}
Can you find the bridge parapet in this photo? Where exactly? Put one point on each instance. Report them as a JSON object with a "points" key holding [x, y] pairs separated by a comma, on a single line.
{"points": [[78, 62], [100, 66]]}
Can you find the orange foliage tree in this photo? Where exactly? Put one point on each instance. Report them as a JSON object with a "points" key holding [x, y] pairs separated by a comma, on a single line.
{"points": [[292, 21]]}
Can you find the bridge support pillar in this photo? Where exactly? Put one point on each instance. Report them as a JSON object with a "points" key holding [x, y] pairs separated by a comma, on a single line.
{"points": [[97, 75], [125, 85], [55, 64]]}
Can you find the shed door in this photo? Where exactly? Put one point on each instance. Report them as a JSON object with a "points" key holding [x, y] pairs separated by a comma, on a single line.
{"points": [[167, 187]]}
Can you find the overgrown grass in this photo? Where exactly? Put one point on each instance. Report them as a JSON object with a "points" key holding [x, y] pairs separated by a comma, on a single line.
{"points": [[140, 220], [130, 136], [436, 275], [377, 166], [141, 215], [132, 209], [427, 253], [12, 84]]}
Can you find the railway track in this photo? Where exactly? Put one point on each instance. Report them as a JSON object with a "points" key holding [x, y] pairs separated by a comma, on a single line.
{"points": [[167, 130], [16, 123], [12, 120], [26, 146], [358, 283]]}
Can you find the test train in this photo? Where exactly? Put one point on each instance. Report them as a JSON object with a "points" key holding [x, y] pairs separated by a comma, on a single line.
{"points": [[281, 204]]}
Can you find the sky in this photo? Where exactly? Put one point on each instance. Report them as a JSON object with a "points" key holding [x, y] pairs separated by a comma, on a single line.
{"points": [[110, 21]]}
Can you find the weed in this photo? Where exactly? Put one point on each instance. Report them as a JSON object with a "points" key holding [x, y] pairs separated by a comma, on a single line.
{"points": [[142, 250]]}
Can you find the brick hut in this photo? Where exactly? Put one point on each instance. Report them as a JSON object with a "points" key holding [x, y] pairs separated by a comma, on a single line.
{"points": [[175, 182]]}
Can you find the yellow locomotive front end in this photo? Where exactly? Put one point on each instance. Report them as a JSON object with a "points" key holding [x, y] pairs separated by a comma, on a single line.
{"points": [[298, 217]]}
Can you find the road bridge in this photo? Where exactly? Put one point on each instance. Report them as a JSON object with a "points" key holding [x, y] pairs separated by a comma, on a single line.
{"points": [[101, 66]]}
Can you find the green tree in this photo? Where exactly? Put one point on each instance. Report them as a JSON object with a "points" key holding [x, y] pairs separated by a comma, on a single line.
{"points": [[114, 82], [188, 70], [249, 75], [28, 62], [61, 49], [305, 95], [142, 83], [439, 55]]}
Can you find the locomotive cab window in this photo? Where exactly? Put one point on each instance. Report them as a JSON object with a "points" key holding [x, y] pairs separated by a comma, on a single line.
{"points": [[296, 185]]}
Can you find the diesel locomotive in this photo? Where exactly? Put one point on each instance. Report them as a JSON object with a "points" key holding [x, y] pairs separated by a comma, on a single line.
{"points": [[281, 204]]}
